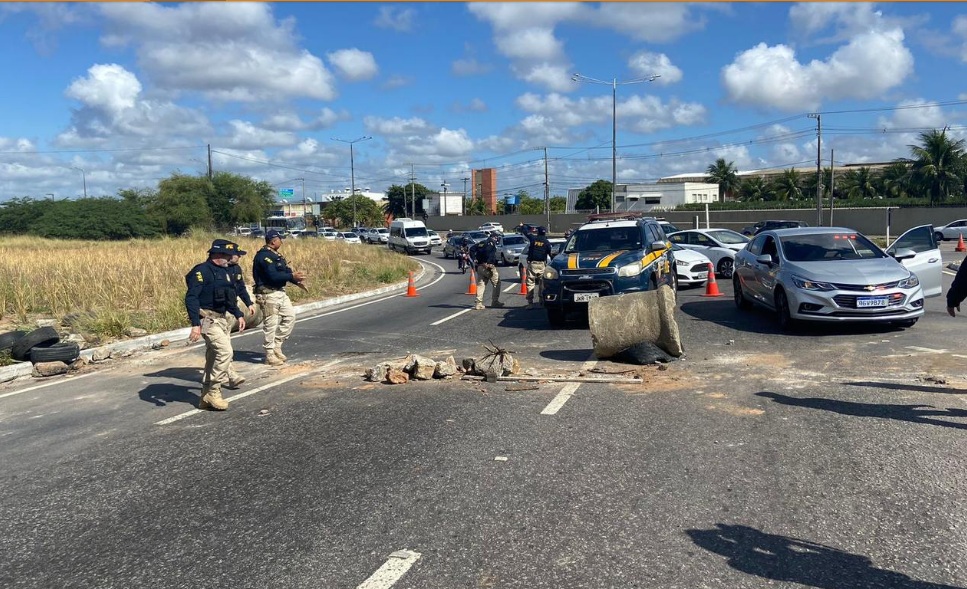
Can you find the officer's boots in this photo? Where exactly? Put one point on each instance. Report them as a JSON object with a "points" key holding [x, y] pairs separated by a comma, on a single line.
{"points": [[279, 354], [271, 359], [212, 399]]}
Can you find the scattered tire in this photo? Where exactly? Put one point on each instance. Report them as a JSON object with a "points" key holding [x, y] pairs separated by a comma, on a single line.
{"points": [[45, 336], [10, 338], [65, 352]]}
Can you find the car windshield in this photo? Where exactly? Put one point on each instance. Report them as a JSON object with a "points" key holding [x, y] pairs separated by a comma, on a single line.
{"points": [[605, 239], [350, 235], [818, 247], [415, 232], [475, 235], [384, 230], [728, 236], [513, 240]]}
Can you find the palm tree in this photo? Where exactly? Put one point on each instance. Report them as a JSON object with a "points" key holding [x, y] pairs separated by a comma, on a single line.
{"points": [[859, 183], [788, 186], [895, 179], [725, 175], [937, 163], [753, 188]]}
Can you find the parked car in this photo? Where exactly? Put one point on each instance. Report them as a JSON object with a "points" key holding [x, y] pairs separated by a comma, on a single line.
{"points": [[434, 238], [347, 237], [604, 258], [691, 267], [491, 226], [330, 235], [718, 245], [451, 246], [668, 227], [838, 274], [772, 224], [557, 244], [953, 230], [360, 231], [377, 235], [509, 248]]}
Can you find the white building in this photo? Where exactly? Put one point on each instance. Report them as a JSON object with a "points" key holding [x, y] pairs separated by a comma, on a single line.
{"points": [[657, 196]]}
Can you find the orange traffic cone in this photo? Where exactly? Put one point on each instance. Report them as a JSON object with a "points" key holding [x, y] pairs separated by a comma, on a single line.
{"points": [[961, 247], [711, 287], [411, 288], [523, 281], [472, 290]]}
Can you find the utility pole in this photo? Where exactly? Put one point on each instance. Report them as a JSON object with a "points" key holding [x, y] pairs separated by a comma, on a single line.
{"points": [[412, 192], [305, 213], [83, 177], [211, 173], [547, 194], [819, 167], [832, 184], [463, 207], [352, 171]]}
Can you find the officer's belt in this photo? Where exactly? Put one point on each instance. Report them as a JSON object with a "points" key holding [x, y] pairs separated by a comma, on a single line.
{"points": [[262, 289], [211, 313]]}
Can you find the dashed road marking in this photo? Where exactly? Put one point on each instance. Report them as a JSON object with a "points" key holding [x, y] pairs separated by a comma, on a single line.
{"points": [[926, 350], [392, 570], [569, 389], [449, 317], [270, 385], [46, 384]]}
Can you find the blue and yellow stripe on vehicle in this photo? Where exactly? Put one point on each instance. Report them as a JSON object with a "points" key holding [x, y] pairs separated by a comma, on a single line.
{"points": [[572, 262], [610, 258]]}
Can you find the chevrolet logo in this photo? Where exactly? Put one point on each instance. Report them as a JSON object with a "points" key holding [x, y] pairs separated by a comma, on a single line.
{"points": [[871, 287]]}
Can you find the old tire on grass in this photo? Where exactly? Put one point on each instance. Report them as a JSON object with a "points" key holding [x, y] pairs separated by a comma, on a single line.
{"points": [[8, 339], [65, 352], [44, 336]]}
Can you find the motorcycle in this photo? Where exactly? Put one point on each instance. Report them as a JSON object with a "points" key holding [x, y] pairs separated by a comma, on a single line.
{"points": [[463, 260]]}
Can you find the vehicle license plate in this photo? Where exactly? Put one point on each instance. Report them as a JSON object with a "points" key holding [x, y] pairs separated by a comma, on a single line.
{"points": [[701, 275], [863, 302], [583, 297]]}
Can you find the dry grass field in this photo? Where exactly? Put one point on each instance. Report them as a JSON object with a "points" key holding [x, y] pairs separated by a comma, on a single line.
{"points": [[105, 287]]}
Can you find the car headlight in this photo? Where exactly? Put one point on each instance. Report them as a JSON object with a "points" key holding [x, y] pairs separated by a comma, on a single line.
{"points": [[681, 263], [633, 269], [550, 273], [909, 282], [806, 284]]}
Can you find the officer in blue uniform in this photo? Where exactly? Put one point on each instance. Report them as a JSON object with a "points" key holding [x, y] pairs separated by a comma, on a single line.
{"points": [[234, 378], [485, 256], [211, 296], [538, 253], [272, 273]]}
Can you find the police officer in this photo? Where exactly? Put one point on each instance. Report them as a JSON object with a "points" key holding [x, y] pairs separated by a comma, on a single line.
{"points": [[485, 256], [272, 273], [238, 279], [538, 253], [210, 297]]}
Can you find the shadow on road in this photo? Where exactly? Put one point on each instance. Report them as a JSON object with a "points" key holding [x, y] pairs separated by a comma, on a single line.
{"points": [[913, 413], [161, 394], [897, 386], [180, 373], [782, 558], [579, 355]]}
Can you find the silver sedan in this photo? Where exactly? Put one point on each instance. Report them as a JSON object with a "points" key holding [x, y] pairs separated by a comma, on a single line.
{"points": [[837, 274]]}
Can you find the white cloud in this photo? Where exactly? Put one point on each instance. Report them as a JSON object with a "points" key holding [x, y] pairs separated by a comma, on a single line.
{"points": [[469, 66], [245, 135], [645, 64], [230, 51], [354, 64], [644, 114], [553, 77], [395, 126], [395, 18], [477, 105], [915, 114], [109, 87], [810, 18], [290, 121], [959, 28], [868, 65], [397, 81], [651, 22]]}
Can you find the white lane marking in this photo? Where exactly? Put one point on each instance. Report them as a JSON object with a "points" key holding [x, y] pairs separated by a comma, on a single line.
{"points": [[511, 287], [392, 570], [454, 316], [569, 389], [45, 385], [950, 272], [927, 350], [958, 356], [270, 385]]}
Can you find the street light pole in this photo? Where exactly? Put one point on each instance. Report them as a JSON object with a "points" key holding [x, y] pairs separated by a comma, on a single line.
{"points": [[819, 167], [443, 203], [614, 119], [352, 170], [83, 177]]}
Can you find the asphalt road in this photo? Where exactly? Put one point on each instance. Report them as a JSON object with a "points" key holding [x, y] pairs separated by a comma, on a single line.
{"points": [[832, 457]]}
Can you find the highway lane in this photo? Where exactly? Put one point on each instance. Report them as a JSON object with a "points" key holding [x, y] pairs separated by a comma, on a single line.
{"points": [[821, 458]]}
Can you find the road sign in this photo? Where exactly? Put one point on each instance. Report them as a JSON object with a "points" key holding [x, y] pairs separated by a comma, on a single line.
{"points": [[286, 192]]}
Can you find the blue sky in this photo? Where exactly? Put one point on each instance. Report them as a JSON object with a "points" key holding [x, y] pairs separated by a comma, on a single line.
{"points": [[129, 93]]}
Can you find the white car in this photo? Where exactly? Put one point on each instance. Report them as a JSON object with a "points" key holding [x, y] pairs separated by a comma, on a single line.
{"points": [[435, 239], [691, 267], [491, 226], [718, 245], [509, 248], [377, 235], [330, 235], [347, 237], [953, 230], [557, 244]]}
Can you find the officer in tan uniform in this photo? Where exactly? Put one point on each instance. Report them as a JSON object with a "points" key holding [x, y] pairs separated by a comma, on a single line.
{"points": [[538, 253], [210, 298], [272, 273]]}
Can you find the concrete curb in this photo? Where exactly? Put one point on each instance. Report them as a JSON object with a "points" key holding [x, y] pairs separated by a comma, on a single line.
{"points": [[148, 342]]}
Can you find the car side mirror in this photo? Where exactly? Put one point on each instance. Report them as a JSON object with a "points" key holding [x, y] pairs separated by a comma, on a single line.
{"points": [[657, 246], [903, 254], [765, 259]]}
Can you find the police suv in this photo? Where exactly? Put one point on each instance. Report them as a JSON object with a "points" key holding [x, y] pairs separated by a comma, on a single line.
{"points": [[607, 257]]}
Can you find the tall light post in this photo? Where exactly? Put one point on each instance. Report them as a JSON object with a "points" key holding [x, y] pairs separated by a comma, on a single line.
{"points": [[444, 204], [614, 83], [83, 177], [819, 166], [352, 170]]}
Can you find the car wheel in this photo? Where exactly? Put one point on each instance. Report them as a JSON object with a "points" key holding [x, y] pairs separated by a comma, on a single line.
{"points": [[555, 316], [740, 301], [726, 267], [65, 352], [8, 339], [938, 236], [786, 321], [44, 336]]}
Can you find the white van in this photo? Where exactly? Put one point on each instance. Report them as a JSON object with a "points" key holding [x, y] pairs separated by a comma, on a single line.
{"points": [[407, 235]]}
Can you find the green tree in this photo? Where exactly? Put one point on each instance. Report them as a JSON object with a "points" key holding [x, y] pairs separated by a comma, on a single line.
{"points": [[237, 200], [182, 204], [859, 183], [477, 206], [368, 212], [594, 197], [937, 164], [399, 200], [725, 175], [895, 180], [529, 205], [558, 204], [809, 183], [753, 188], [17, 214], [102, 218], [788, 186]]}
